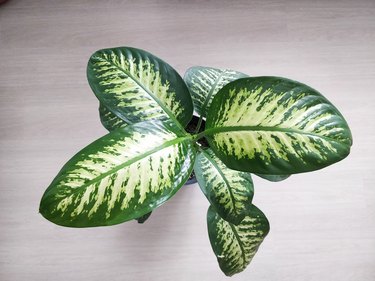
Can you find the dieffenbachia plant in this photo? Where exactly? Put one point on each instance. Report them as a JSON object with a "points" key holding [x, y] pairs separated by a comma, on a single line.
{"points": [[270, 126]]}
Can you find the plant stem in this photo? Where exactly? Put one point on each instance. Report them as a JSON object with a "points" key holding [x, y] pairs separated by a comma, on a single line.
{"points": [[199, 124], [199, 136]]}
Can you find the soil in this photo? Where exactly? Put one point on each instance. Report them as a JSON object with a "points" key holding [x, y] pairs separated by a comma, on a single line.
{"points": [[190, 128]]}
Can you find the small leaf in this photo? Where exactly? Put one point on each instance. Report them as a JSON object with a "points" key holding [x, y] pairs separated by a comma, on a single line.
{"points": [[273, 178], [121, 176], [143, 218], [205, 82], [276, 126], [109, 120], [136, 86], [236, 245], [230, 192]]}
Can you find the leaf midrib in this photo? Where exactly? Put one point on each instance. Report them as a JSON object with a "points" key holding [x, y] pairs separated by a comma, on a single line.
{"points": [[159, 102], [132, 161], [239, 243], [210, 93], [216, 130], [209, 158]]}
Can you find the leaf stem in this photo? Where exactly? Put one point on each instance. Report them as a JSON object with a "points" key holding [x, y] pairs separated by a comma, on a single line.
{"points": [[199, 124], [196, 137]]}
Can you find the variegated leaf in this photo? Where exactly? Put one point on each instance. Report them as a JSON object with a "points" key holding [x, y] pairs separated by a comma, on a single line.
{"points": [[273, 178], [121, 176], [271, 125], [236, 245], [136, 86], [109, 120], [205, 82], [230, 192]]}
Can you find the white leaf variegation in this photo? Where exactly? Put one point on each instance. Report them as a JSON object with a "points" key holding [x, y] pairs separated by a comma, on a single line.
{"points": [[272, 125], [236, 245], [121, 176], [205, 82], [136, 86], [230, 192]]}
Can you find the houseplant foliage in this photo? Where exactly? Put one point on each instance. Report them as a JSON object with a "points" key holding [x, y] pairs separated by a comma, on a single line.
{"points": [[269, 126]]}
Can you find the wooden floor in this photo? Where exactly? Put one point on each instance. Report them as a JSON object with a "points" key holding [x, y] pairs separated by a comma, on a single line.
{"points": [[322, 223]]}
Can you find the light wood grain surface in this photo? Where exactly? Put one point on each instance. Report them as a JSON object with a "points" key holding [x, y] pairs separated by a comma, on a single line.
{"points": [[322, 223]]}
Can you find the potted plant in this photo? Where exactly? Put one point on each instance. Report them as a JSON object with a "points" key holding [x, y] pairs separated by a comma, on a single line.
{"points": [[270, 126]]}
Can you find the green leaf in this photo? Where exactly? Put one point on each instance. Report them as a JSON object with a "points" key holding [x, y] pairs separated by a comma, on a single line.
{"points": [[143, 218], [205, 82], [121, 176], [230, 192], [109, 120], [136, 86], [272, 125], [273, 178], [236, 245]]}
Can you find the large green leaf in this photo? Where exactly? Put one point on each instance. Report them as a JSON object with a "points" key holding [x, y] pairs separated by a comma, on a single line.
{"points": [[271, 125], [236, 245], [230, 192], [109, 120], [136, 86], [205, 82], [121, 176]]}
